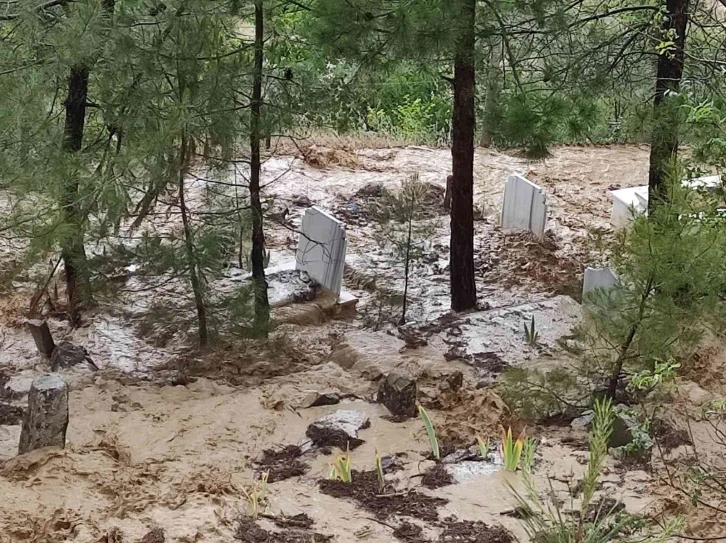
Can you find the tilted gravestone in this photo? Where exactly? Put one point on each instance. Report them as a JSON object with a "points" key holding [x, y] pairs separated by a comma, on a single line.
{"points": [[42, 336], [46, 419], [321, 249], [524, 206]]}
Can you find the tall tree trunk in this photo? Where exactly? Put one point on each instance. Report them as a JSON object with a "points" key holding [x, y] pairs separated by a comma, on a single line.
{"points": [[463, 287], [73, 251], [262, 304], [194, 277], [664, 136]]}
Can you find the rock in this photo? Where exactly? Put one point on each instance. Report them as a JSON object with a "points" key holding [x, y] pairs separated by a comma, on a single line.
{"points": [[10, 415], [472, 453], [42, 336], [46, 419], [621, 434], [316, 399], [17, 387], [339, 429], [390, 463], [584, 420], [454, 381], [302, 201], [154, 536], [398, 393], [67, 355]]}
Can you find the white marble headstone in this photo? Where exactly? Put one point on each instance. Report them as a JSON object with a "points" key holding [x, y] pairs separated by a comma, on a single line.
{"points": [[524, 206], [628, 203], [596, 278], [321, 248]]}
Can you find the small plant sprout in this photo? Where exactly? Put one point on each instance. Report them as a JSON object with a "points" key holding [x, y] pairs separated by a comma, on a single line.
{"points": [[531, 335], [483, 446], [341, 470], [430, 431], [512, 449], [256, 495], [379, 472]]}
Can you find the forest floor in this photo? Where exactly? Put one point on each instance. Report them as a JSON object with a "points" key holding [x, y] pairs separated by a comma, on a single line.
{"points": [[167, 437]]}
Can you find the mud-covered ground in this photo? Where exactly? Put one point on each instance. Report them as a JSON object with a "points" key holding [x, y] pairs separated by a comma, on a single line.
{"points": [[166, 437]]}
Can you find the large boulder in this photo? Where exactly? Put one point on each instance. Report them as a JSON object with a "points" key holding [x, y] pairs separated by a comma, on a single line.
{"points": [[398, 393], [339, 429], [46, 418]]}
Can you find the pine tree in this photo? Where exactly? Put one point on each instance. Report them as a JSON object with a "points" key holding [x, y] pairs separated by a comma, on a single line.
{"points": [[262, 305], [669, 73]]}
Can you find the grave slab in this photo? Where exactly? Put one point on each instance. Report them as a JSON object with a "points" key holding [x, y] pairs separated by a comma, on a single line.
{"points": [[321, 249], [627, 204], [596, 278], [524, 206]]}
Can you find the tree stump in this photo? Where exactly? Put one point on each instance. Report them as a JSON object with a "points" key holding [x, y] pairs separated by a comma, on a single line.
{"points": [[42, 336], [46, 419]]}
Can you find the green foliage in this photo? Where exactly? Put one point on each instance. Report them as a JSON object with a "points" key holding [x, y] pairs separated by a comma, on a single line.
{"points": [[483, 447], [531, 335], [638, 333], [535, 394], [433, 440], [342, 468], [404, 226], [256, 495], [511, 449], [547, 522]]}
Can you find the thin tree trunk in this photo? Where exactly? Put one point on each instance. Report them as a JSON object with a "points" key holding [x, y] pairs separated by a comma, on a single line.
{"points": [[407, 263], [73, 251], [625, 347], [664, 136], [191, 256], [262, 304], [463, 287]]}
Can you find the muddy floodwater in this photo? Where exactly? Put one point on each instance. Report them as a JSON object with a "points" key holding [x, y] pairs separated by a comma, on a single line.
{"points": [[167, 439]]}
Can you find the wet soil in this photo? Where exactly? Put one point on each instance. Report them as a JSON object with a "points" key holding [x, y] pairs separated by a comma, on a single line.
{"points": [[467, 531], [436, 477], [248, 531], [364, 489], [282, 464]]}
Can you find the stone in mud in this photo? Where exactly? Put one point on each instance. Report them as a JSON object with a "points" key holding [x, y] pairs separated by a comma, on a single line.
{"points": [[454, 381], [154, 536], [46, 419], [398, 393], [302, 201], [67, 355], [41, 336], [621, 434], [316, 399], [584, 420], [339, 429]]}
